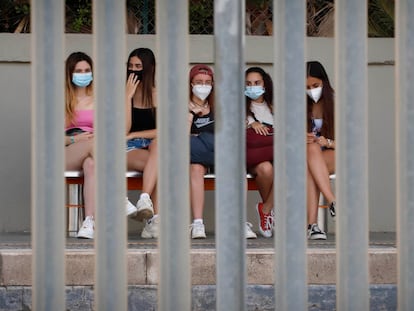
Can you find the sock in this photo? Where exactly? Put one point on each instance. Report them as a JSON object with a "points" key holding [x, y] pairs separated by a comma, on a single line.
{"points": [[198, 221]]}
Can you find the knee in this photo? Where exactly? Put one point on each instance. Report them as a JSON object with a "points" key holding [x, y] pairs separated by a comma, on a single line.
{"points": [[264, 169], [88, 166]]}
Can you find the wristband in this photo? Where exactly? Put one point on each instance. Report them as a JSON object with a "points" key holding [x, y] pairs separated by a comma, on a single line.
{"points": [[72, 139], [329, 143]]}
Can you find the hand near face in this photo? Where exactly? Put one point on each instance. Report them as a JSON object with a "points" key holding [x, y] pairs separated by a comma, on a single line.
{"points": [[131, 85]]}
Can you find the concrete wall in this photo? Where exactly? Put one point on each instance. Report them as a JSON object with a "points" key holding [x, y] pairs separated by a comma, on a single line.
{"points": [[15, 119]]}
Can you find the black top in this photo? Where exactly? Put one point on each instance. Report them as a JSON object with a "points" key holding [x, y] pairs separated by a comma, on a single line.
{"points": [[203, 123], [143, 119]]}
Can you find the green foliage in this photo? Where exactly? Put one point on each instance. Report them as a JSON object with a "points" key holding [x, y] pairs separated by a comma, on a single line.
{"points": [[201, 17], [14, 15], [381, 18], [78, 16]]}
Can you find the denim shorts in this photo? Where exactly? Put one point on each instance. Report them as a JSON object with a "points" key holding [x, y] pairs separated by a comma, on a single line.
{"points": [[202, 149], [138, 143]]}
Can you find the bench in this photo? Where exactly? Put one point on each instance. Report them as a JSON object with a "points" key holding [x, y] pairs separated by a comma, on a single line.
{"points": [[74, 194]]}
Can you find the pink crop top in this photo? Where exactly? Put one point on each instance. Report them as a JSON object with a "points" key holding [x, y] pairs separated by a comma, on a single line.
{"points": [[83, 120]]}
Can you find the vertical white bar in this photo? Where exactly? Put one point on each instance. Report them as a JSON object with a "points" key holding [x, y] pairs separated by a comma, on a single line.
{"points": [[405, 151], [290, 170], [48, 216], [109, 80], [351, 105], [230, 144], [172, 122]]}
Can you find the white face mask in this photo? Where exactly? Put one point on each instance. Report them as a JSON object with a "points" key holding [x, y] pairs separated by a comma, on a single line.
{"points": [[202, 91], [315, 93]]}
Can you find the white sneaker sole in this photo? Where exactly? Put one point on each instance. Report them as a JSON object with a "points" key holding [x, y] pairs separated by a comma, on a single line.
{"points": [[317, 237], [251, 236], [144, 213], [198, 236], [84, 236]]}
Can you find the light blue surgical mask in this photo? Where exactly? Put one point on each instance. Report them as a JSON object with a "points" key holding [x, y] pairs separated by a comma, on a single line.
{"points": [[82, 79], [254, 91]]}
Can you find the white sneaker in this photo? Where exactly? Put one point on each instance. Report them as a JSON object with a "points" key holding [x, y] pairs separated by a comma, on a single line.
{"points": [[87, 229], [151, 228], [314, 233], [145, 210], [197, 231], [130, 208], [249, 232]]}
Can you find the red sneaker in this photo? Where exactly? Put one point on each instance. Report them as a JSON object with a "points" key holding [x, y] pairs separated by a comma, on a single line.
{"points": [[265, 221]]}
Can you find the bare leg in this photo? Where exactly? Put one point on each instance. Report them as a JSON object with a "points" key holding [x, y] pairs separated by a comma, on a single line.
{"points": [[89, 186], [197, 172], [264, 182], [318, 168], [76, 153], [136, 159], [151, 173], [146, 161], [312, 199], [78, 156]]}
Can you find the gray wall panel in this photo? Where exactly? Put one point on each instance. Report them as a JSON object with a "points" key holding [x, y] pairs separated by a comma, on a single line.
{"points": [[15, 120], [15, 151]]}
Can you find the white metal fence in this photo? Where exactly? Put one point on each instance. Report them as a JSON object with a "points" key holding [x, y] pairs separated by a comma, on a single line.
{"points": [[290, 243]]}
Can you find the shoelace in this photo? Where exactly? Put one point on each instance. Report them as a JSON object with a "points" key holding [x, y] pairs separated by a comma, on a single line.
{"points": [[268, 221], [88, 222], [315, 229], [332, 210]]}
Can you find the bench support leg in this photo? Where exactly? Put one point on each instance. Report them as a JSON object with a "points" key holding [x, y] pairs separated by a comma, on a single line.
{"points": [[75, 212]]}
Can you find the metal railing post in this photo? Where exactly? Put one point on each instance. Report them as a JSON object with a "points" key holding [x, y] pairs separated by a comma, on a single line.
{"points": [[351, 125], [174, 291], [290, 170], [404, 52], [109, 81], [230, 198], [48, 217]]}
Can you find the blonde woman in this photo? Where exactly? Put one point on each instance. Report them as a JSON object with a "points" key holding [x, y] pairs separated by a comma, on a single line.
{"points": [[79, 104]]}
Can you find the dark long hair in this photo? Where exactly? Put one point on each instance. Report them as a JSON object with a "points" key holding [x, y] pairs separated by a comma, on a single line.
{"points": [[148, 74], [268, 85], [316, 70], [70, 98]]}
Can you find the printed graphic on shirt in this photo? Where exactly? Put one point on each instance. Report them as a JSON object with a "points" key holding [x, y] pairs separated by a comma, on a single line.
{"points": [[201, 122]]}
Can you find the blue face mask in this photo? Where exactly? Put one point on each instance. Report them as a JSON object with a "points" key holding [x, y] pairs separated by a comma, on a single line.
{"points": [[82, 79], [254, 92]]}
